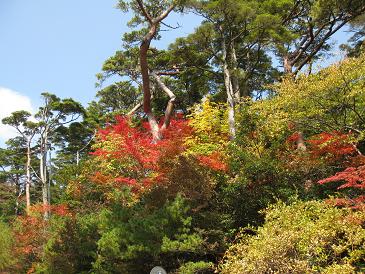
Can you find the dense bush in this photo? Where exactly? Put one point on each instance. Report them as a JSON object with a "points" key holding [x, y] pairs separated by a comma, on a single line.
{"points": [[304, 237]]}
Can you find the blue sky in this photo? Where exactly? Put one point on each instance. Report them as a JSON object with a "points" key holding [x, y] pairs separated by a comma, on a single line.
{"points": [[58, 46]]}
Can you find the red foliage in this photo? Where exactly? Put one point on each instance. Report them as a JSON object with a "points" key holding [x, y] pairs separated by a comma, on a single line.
{"points": [[58, 210], [127, 181], [293, 138], [333, 145], [137, 162], [132, 142], [133, 148], [353, 178], [30, 235], [334, 148], [213, 161]]}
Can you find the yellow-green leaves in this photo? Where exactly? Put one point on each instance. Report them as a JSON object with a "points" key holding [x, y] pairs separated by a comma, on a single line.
{"points": [[305, 237], [332, 99], [209, 121]]}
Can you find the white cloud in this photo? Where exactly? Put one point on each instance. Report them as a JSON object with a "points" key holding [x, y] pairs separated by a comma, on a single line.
{"points": [[11, 101]]}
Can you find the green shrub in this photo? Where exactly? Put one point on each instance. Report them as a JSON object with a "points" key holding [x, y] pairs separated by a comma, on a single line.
{"points": [[71, 246], [6, 258], [304, 237]]}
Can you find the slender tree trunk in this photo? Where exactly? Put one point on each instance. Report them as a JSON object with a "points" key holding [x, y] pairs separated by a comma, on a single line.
{"points": [[43, 175], [49, 176], [235, 82], [28, 180], [155, 129], [288, 69], [231, 106], [17, 192], [229, 91]]}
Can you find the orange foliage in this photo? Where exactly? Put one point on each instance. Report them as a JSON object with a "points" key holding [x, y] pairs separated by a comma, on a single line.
{"points": [[355, 203], [31, 233]]}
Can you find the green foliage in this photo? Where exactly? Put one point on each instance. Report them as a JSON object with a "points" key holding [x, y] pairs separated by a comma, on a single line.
{"points": [[6, 244], [7, 200], [264, 159], [134, 239], [331, 99], [71, 247], [304, 237], [195, 267], [234, 36]]}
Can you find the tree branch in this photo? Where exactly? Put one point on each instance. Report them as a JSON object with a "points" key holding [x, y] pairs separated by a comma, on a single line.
{"points": [[171, 27], [319, 46], [170, 104], [144, 11], [163, 15]]}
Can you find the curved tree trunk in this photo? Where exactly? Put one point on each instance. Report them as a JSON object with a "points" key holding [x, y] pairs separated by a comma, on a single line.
{"points": [[144, 47], [300, 142]]}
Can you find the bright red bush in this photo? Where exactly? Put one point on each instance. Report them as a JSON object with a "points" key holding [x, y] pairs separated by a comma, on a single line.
{"points": [[352, 177], [332, 145], [142, 162]]}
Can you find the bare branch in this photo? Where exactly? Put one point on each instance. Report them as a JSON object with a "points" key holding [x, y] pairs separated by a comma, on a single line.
{"points": [[138, 106], [170, 73], [319, 46], [171, 27]]}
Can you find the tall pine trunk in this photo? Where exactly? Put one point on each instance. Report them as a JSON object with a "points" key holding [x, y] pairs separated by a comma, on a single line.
{"points": [[28, 177]]}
